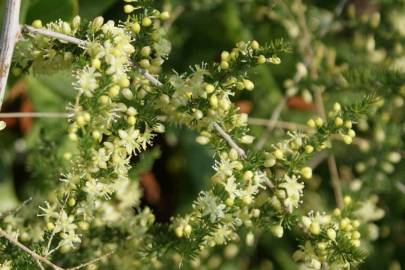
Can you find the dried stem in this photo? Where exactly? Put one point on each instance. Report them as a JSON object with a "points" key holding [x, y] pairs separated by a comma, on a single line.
{"points": [[33, 254], [9, 35]]}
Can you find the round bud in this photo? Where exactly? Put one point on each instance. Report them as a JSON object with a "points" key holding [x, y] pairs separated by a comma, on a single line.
{"points": [[347, 139], [37, 24], [309, 149], [270, 162], [96, 63], [202, 140], [337, 107], [225, 56], [50, 226], [131, 120], [247, 139], [146, 22], [165, 15], [347, 200], [255, 45], [314, 228], [214, 101], [144, 63], [311, 123], [97, 23], [224, 65], [306, 172], [127, 93], [278, 154], [338, 121], [319, 122], [261, 59], [67, 156], [104, 99], [114, 91], [72, 202], [96, 135], [129, 9], [331, 234], [229, 201], [248, 85], [209, 88], [277, 231], [135, 27], [145, 51], [179, 231], [248, 175]]}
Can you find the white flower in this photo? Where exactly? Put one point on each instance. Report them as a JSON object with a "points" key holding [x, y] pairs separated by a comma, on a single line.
{"points": [[129, 139], [98, 189], [100, 158], [146, 138], [69, 239], [294, 191], [65, 223], [231, 187], [87, 81], [49, 211], [222, 234], [209, 206]]}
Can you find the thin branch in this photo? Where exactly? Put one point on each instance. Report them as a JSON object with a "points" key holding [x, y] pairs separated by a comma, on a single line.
{"points": [[334, 174], [146, 74], [55, 35], [272, 123], [33, 254], [47, 252], [229, 140], [14, 211], [91, 262], [34, 115], [9, 35], [335, 181], [151, 78], [277, 124]]}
